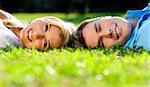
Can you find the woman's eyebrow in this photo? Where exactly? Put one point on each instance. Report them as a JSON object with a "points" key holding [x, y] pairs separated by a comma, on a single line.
{"points": [[50, 26], [48, 44]]}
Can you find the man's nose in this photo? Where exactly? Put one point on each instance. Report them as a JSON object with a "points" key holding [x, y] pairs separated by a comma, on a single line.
{"points": [[107, 33]]}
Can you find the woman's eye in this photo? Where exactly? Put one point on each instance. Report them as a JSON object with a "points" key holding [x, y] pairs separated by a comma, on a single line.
{"points": [[46, 27], [45, 44]]}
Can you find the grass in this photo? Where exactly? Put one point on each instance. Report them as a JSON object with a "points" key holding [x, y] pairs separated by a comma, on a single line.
{"points": [[73, 67]]}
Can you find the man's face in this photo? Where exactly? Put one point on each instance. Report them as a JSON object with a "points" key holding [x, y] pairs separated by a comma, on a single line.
{"points": [[106, 32]]}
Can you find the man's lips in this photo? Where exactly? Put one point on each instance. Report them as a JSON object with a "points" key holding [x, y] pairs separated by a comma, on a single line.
{"points": [[117, 31], [116, 34]]}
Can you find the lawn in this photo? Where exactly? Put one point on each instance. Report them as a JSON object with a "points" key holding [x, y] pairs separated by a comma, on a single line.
{"points": [[70, 67]]}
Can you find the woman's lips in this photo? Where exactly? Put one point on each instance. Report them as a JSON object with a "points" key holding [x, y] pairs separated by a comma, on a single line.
{"points": [[30, 35]]}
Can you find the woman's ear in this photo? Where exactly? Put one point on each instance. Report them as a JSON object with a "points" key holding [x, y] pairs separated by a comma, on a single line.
{"points": [[9, 24]]}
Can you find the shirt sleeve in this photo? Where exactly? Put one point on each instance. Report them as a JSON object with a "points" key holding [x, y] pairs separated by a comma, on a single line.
{"points": [[136, 14], [143, 37]]}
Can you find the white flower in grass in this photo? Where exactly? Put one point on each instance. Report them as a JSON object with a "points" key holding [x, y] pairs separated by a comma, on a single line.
{"points": [[80, 64], [98, 77], [50, 70], [106, 72]]}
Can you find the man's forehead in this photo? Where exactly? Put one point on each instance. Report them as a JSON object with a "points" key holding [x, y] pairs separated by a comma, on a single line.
{"points": [[89, 25]]}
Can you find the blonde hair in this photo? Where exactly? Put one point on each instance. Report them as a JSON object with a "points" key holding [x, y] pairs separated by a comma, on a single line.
{"points": [[10, 21], [66, 27]]}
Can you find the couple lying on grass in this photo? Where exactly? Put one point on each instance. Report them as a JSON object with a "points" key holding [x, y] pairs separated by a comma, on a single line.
{"points": [[133, 31]]}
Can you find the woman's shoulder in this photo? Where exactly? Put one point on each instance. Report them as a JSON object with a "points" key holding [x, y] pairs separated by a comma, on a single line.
{"points": [[7, 37]]}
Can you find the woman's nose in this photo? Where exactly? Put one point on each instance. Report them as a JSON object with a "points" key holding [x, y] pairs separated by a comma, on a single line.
{"points": [[107, 33], [38, 34]]}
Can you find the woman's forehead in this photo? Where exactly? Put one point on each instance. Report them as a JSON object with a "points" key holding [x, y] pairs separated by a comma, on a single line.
{"points": [[38, 22]]}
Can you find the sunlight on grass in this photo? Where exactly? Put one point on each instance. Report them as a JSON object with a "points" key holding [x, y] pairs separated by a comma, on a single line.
{"points": [[74, 67], [70, 67]]}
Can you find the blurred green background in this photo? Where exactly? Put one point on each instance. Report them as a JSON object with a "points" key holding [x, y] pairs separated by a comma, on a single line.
{"points": [[75, 18]]}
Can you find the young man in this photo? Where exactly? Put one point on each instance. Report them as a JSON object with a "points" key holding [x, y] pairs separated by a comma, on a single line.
{"points": [[105, 32]]}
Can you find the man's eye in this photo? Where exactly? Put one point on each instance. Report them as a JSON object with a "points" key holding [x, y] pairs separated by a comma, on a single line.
{"points": [[103, 45], [100, 43], [110, 35], [45, 44], [46, 27]]}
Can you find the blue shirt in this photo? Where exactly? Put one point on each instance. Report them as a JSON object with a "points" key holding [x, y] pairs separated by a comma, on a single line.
{"points": [[140, 36]]}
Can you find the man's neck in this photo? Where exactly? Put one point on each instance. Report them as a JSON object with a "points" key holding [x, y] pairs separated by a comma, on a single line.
{"points": [[133, 22]]}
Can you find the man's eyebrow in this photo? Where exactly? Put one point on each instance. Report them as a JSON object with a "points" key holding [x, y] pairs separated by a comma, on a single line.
{"points": [[95, 27], [99, 27]]}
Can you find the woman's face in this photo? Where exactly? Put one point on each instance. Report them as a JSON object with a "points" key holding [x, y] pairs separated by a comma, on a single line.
{"points": [[106, 32], [42, 36]]}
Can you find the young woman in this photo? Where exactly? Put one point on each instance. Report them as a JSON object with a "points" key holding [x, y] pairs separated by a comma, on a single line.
{"points": [[42, 33], [105, 32]]}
